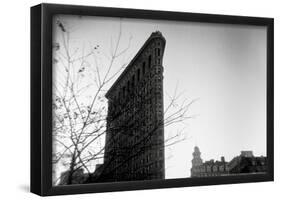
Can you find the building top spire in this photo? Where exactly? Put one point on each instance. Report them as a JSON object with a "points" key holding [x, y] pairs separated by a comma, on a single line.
{"points": [[196, 161]]}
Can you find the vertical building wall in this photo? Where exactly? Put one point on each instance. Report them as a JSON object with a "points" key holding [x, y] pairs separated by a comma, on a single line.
{"points": [[134, 148]]}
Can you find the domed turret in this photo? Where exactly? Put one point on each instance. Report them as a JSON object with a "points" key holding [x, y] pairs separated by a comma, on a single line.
{"points": [[196, 161]]}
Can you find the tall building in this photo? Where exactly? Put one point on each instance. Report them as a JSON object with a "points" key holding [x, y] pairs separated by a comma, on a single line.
{"points": [[134, 146], [78, 177]]}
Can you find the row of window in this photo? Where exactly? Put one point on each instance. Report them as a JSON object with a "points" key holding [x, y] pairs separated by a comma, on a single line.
{"points": [[143, 113], [211, 169], [141, 71], [148, 167], [208, 174], [137, 105]]}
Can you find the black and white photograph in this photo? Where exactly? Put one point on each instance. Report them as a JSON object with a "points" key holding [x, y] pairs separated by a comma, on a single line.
{"points": [[142, 99]]}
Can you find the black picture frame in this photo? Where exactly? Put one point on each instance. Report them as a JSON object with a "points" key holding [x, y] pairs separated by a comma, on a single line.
{"points": [[41, 98]]}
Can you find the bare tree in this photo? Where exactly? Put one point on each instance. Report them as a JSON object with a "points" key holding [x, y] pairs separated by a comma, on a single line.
{"points": [[80, 107], [143, 141]]}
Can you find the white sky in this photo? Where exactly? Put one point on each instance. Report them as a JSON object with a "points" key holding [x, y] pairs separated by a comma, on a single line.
{"points": [[222, 65]]}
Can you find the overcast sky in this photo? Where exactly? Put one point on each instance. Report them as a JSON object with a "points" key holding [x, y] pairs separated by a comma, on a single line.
{"points": [[224, 66]]}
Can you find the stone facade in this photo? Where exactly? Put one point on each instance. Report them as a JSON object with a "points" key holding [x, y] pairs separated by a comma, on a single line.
{"points": [[134, 146]]}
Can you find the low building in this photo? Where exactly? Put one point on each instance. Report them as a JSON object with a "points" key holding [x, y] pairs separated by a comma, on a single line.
{"points": [[207, 168], [246, 162]]}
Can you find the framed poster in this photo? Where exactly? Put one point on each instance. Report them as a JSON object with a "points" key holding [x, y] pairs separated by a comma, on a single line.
{"points": [[125, 99]]}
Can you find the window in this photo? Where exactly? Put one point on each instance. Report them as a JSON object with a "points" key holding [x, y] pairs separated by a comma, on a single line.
{"points": [[124, 91], [138, 75], [215, 168], [128, 86], [158, 52], [143, 68]]}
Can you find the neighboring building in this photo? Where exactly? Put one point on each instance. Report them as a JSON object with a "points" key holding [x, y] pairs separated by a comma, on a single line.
{"points": [[78, 177], [134, 146], [247, 163], [207, 168]]}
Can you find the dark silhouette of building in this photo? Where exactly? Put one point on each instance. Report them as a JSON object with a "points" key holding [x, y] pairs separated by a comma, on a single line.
{"points": [[207, 168], [246, 162], [134, 146], [78, 177]]}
